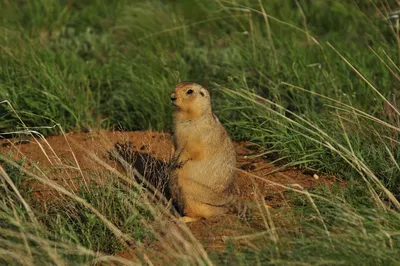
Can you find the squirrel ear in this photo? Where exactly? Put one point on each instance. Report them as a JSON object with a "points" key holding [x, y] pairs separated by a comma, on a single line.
{"points": [[202, 92]]}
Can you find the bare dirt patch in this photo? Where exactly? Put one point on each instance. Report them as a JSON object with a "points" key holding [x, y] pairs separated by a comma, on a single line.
{"points": [[65, 158]]}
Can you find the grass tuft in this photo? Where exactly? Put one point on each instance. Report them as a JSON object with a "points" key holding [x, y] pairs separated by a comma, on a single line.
{"points": [[315, 82]]}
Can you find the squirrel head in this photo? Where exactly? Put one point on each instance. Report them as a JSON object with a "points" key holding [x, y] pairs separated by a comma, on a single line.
{"points": [[191, 101]]}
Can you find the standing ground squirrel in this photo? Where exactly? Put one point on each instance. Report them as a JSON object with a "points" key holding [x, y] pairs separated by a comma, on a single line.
{"points": [[203, 165]]}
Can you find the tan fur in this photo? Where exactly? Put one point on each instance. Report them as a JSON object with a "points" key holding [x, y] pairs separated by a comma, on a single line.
{"points": [[202, 175]]}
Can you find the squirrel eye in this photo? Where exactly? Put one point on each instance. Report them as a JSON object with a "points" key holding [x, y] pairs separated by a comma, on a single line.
{"points": [[189, 92]]}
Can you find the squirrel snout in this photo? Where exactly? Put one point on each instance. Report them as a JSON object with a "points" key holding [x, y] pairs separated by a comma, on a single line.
{"points": [[173, 96]]}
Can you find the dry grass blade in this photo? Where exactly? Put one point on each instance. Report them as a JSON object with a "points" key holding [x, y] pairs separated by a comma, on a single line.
{"points": [[391, 61], [271, 41], [364, 79], [383, 62], [349, 107], [6, 178]]}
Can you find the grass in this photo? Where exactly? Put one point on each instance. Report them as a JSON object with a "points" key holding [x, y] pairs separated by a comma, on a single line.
{"points": [[316, 82]]}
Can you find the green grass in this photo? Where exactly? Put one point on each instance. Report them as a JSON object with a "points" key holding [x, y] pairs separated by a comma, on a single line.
{"points": [[66, 221], [285, 81]]}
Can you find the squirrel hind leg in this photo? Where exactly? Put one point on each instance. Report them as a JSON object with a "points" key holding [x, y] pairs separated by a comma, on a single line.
{"points": [[188, 219], [195, 209]]}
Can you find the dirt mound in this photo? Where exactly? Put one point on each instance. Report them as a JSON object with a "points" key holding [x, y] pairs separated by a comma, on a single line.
{"points": [[65, 158]]}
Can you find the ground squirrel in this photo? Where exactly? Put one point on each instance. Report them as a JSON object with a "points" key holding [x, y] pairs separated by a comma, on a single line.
{"points": [[203, 165]]}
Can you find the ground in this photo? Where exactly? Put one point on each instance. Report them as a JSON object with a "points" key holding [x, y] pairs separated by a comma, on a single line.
{"points": [[257, 178], [315, 82]]}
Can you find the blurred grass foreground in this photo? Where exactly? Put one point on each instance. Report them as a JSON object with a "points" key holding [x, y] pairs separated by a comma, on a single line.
{"points": [[316, 82]]}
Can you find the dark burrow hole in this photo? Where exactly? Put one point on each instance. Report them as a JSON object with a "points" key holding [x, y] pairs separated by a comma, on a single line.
{"points": [[152, 170]]}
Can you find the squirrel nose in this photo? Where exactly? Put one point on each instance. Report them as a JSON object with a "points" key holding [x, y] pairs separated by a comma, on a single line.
{"points": [[173, 96]]}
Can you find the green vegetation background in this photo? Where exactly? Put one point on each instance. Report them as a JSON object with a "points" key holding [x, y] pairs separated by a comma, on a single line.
{"points": [[112, 64]]}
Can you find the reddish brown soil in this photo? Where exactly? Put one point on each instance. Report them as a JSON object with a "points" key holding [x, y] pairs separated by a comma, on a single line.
{"points": [[60, 156]]}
